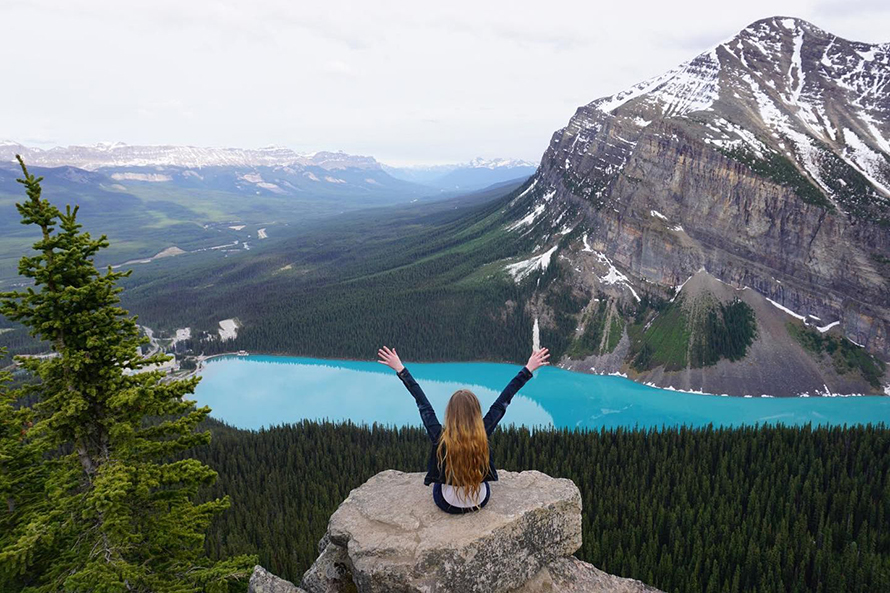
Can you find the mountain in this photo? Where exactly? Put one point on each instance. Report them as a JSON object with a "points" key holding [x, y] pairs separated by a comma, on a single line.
{"points": [[476, 174], [242, 168], [723, 226], [118, 154], [150, 199], [264, 171]]}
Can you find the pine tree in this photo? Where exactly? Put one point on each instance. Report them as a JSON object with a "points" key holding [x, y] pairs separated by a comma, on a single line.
{"points": [[108, 509], [22, 475]]}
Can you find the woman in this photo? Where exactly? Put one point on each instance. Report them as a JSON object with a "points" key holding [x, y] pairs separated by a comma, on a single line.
{"points": [[459, 465]]}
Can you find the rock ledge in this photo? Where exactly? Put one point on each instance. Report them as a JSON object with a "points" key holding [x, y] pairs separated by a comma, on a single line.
{"points": [[388, 536]]}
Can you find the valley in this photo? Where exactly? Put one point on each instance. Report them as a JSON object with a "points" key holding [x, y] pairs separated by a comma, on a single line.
{"points": [[148, 200]]}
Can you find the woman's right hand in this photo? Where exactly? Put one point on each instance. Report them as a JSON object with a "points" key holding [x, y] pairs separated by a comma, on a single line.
{"points": [[390, 358], [538, 359]]}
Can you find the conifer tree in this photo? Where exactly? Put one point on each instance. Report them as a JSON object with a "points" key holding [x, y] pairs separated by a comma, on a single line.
{"points": [[105, 507], [21, 472]]}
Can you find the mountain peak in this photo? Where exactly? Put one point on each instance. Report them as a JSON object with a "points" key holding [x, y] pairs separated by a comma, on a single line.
{"points": [[660, 180], [787, 23]]}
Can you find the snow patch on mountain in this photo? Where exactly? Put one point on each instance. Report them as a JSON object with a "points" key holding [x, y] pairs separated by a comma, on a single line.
{"points": [[149, 177], [533, 215], [691, 86], [613, 276], [498, 163], [521, 270], [867, 161], [787, 310]]}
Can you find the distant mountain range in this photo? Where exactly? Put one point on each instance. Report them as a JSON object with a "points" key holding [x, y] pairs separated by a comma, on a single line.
{"points": [[757, 172], [118, 154], [477, 173], [149, 198], [271, 169], [264, 171]]}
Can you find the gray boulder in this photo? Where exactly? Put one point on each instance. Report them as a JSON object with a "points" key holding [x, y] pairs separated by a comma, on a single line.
{"points": [[263, 581], [389, 537]]}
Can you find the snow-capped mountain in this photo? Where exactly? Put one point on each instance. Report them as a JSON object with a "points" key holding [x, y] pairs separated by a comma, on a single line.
{"points": [[264, 171], [165, 163], [475, 174], [481, 163], [118, 154], [782, 86], [763, 163]]}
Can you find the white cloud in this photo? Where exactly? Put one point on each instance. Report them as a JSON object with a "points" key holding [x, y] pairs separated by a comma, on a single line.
{"points": [[404, 81], [337, 67]]}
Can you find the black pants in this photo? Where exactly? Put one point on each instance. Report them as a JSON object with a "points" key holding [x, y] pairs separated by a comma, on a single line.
{"points": [[453, 510]]}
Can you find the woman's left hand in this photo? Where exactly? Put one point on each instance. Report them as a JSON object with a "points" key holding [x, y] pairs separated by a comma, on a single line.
{"points": [[390, 358], [538, 359]]}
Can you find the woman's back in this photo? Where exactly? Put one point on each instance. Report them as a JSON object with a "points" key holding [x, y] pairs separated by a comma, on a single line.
{"points": [[460, 465]]}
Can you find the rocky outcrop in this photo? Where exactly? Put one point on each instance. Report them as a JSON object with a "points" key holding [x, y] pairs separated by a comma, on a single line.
{"points": [[388, 536], [394, 538], [263, 581]]}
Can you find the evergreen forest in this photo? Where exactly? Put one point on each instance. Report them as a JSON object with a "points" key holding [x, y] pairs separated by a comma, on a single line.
{"points": [[758, 509]]}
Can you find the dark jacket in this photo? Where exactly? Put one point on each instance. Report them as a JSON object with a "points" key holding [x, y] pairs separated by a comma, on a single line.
{"points": [[434, 428]]}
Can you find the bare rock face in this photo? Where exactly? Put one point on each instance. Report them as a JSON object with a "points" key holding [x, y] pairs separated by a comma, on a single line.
{"points": [[331, 572], [570, 575], [388, 536], [263, 581], [719, 165]]}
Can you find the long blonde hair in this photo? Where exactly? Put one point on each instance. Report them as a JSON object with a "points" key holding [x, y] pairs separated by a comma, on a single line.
{"points": [[463, 445]]}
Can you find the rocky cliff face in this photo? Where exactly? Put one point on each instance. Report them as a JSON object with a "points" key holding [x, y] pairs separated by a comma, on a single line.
{"points": [[763, 162], [389, 536]]}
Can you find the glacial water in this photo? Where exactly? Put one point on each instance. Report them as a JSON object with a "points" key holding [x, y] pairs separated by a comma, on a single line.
{"points": [[257, 391]]}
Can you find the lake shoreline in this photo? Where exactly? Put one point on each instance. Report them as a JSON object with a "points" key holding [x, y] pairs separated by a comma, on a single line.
{"points": [[261, 390], [828, 395]]}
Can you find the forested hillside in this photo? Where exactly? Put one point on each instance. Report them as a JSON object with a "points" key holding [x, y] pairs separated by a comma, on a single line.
{"points": [[414, 275], [326, 288], [760, 509]]}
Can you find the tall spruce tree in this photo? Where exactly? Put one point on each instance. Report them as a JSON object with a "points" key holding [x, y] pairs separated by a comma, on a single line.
{"points": [[96, 500]]}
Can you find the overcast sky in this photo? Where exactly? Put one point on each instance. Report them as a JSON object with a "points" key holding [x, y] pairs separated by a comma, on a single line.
{"points": [[405, 81]]}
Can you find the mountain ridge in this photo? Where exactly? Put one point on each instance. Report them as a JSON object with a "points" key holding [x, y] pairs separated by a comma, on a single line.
{"points": [[763, 162], [474, 174], [119, 154]]}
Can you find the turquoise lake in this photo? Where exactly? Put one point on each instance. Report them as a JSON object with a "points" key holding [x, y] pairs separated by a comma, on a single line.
{"points": [[257, 391]]}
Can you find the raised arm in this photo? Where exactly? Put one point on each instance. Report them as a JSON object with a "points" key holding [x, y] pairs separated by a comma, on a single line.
{"points": [[499, 407], [391, 359]]}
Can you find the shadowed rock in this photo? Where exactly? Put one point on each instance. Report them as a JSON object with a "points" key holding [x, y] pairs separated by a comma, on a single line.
{"points": [[263, 581], [570, 575]]}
